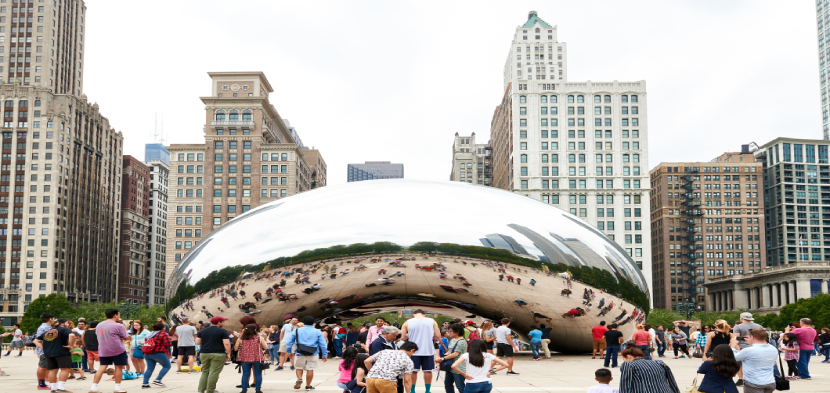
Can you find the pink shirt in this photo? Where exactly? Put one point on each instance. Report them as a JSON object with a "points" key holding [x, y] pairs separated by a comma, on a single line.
{"points": [[345, 373], [109, 338], [806, 336], [374, 332]]}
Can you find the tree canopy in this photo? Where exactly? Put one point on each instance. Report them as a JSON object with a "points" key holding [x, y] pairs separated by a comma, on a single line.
{"points": [[58, 305]]}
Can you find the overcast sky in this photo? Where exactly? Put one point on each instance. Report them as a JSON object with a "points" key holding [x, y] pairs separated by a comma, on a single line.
{"points": [[395, 80]]}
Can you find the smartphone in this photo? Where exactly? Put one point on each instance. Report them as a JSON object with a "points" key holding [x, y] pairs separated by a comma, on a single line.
{"points": [[739, 338]]}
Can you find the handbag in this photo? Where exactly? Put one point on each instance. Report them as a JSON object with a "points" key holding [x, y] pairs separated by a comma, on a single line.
{"points": [[263, 365], [137, 352], [446, 364], [303, 349], [30, 341], [781, 383], [698, 353], [693, 388]]}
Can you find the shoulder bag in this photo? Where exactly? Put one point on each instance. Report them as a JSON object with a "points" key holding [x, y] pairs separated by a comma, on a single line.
{"points": [[781, 383], [137, 352], [446, 364], [693, 388], [303, 349], [263, 365]]}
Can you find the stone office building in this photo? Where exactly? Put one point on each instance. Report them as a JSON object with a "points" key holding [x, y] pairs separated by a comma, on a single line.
{"points": [[769, 289], [249, 158], [471, 161]]}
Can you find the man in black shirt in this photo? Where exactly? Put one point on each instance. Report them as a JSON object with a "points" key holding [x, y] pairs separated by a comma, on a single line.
{"points": [[363, 337], [613, 340], [545, 334], [215, 350], [55, 344], [90, 342]]}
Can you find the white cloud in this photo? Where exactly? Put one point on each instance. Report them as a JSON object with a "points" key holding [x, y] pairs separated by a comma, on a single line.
{"points": [[365, 80]]}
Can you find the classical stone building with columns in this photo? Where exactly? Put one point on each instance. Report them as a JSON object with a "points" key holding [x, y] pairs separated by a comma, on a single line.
{"points": [[769, 289]]}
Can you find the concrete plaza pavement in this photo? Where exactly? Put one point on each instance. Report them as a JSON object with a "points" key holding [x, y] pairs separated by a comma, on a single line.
{"points": [[562, 373]]}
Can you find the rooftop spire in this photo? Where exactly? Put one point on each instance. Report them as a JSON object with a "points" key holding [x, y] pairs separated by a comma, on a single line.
{"points": [[533, 18]]}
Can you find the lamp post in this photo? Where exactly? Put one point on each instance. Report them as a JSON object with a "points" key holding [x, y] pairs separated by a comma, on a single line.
{"points": [[128, 309]]}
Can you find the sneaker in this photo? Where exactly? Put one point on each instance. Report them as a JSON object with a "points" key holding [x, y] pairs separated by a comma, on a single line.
{"points": [[159, 383], [179, 371], [740, 382], [298, 384], [18, 356], [119, 390], [81, 378], [94, 391], [278, 368], [3, 374], [805, 379], [309, 388], [512, 373], [71, 376], [145, 386], [292, 367]]}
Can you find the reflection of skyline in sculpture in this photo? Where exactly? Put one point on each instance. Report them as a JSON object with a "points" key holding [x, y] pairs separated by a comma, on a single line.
{"points": [[346, 221], [507, 243]]}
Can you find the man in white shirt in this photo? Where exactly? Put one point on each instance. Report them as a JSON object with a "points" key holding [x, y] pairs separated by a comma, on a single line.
{"points": [[285, 332], [758, 362], [422, 331], [505, 345]]}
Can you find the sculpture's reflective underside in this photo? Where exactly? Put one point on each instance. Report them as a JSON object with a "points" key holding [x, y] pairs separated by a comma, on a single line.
{"points": [[366, 227]]}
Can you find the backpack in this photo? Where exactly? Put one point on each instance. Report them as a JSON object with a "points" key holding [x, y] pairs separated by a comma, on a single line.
{"points": [[474, 334], [149, 345]]}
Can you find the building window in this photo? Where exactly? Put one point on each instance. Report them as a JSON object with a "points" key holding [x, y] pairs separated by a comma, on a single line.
{"points": [[220, 115]]}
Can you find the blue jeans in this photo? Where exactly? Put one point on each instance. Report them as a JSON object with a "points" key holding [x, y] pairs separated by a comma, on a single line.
{"points": [[644, 348], [275, 354], [825, 350], [481, 387], [246, 375], [450, 378], [803, 362], [661, 348], [152, 360], [535, 346], [611, 354], [84, 362], [338, 347]]}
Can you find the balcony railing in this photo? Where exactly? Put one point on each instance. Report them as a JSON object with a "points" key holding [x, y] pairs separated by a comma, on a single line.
{"points": [[235, 123]]}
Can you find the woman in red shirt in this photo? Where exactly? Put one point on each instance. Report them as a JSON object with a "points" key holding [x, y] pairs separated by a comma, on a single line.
{"points": [[642, 338], [160, 343]]}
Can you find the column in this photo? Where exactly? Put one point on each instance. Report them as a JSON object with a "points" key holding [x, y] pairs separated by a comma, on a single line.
{"points": [[730, 296], [803, 288], [764, 296], [710, 301], [741, 300], [749, 301], [824, 286], [778, 295], [794, 292], [718, 306]]}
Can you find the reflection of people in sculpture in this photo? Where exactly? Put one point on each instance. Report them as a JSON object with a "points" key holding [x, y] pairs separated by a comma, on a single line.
{"points": [[574, 312], [520, 302], [621, 315]]}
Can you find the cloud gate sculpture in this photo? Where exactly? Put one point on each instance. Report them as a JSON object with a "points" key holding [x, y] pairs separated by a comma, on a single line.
{"points": [[450, 248]]}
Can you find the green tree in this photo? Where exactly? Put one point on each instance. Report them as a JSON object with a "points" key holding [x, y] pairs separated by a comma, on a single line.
{"points": [[662, 316], [54, 303], [709, 317]]}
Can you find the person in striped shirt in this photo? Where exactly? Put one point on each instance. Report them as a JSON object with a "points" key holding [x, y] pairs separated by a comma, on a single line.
{"points": [[640, 375]]}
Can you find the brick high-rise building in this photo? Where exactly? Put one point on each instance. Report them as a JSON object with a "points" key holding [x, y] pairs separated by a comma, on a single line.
{"points": [[135, 221], [45, 41], [248, 158], [707, 221], [60, 176], [60, 173]]}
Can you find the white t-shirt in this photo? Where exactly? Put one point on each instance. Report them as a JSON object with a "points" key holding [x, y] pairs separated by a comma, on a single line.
{"points": [[479, 374], [652, 333], [503, 335], [288, 329], [18, 335]]}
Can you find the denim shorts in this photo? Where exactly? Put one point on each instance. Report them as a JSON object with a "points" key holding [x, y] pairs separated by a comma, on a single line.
{"points": [[481, 387]]}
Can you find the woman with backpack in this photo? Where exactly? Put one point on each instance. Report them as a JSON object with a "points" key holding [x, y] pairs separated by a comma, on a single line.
{"points": [[156, 350], [470, 331]]}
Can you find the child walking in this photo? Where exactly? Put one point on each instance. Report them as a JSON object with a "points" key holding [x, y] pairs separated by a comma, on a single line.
{"points": [[791, 354]]}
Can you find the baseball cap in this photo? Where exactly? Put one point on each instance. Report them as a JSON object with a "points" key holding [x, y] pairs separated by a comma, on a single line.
{"points": [[747, 316], [217, 319], [468, 322], [640, 326]]}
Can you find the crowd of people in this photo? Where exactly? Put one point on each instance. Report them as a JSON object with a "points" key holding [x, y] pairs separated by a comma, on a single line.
{"points": [[744, 354]]}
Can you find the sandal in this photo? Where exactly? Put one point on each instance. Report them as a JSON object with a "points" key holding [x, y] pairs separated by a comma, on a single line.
{"points": [[675, 357]]}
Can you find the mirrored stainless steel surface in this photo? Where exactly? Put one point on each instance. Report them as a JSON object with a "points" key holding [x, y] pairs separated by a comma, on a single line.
{"points": [[406, 212]]}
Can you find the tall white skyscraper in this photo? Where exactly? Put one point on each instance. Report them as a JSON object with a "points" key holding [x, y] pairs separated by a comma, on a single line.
{"points": [[823, 21], [580, 146]]}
